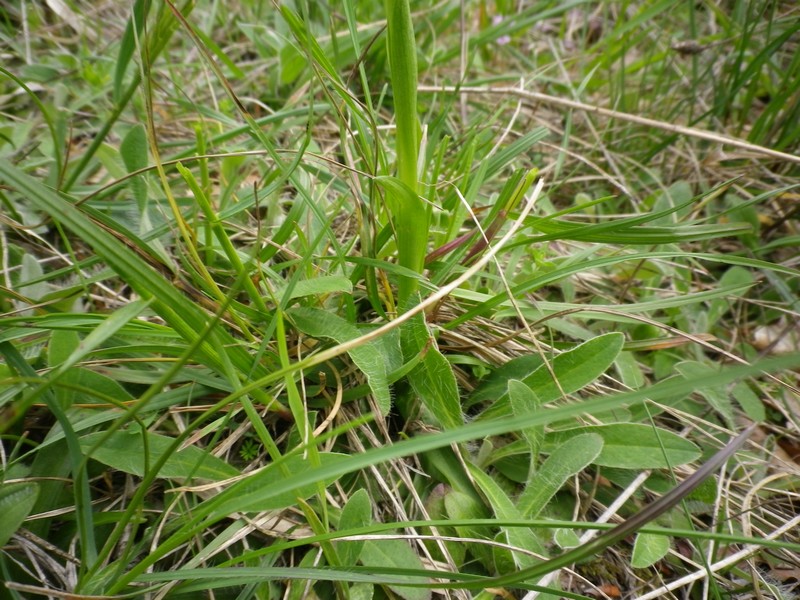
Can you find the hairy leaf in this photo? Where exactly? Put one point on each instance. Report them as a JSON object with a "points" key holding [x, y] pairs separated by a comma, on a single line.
{"points": [[633, 446], [573, 369], [125, 451], [16, 503], [368, 357]]}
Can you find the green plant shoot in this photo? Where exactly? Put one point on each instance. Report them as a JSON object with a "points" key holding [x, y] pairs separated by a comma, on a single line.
{"points": [[409, 214]]}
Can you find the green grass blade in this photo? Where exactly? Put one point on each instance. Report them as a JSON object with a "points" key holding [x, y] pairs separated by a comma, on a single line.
{"points": [[183, 315]]}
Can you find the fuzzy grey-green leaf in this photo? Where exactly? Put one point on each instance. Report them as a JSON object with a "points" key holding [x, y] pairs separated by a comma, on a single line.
{"points": [[632, 446], [648, 549], [356, 513], [323, 324], [573, 369], [268, 490], [432, 379], [16, 502], [124, 451], [566, 460]]}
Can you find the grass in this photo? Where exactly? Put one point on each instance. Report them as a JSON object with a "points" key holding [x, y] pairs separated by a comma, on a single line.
{"points": [[470, 300]]}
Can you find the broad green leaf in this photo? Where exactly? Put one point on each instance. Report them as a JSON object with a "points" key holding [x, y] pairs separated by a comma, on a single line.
{"points": [[719, 399], [751, 404], [443, 464], [648, 549], [323, 324], [574, 369], [362, 591], [460, 506], [432, 379], [707, 492], [133, 150], [82, 386], [495, 384], [48, 464], [319, 286], [82, 419], [94, 382], [525, 401], [63, 343], [31, 270], [566, 460], [16, 503], [125, 451], [513, 461], [436, 509], [632, 446], [520, 537], [356, 513], [629, 370], [393, 355], [268, 490], [68, 353], [108, 156], [66, 349], [566, 538], [679, 194], [735, 276], [396, 554]]}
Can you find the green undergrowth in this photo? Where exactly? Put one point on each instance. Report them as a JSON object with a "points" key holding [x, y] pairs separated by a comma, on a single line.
{"points": [[291, 310]]}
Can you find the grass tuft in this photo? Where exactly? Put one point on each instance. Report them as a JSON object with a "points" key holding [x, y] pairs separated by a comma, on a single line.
{"points": [[388, 300]]}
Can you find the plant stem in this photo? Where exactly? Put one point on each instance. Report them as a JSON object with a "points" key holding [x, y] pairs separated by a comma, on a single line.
{"points": [[409, 213]]}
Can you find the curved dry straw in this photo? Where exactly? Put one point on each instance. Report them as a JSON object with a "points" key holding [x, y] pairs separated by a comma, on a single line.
{"points": [[701, 134]]}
